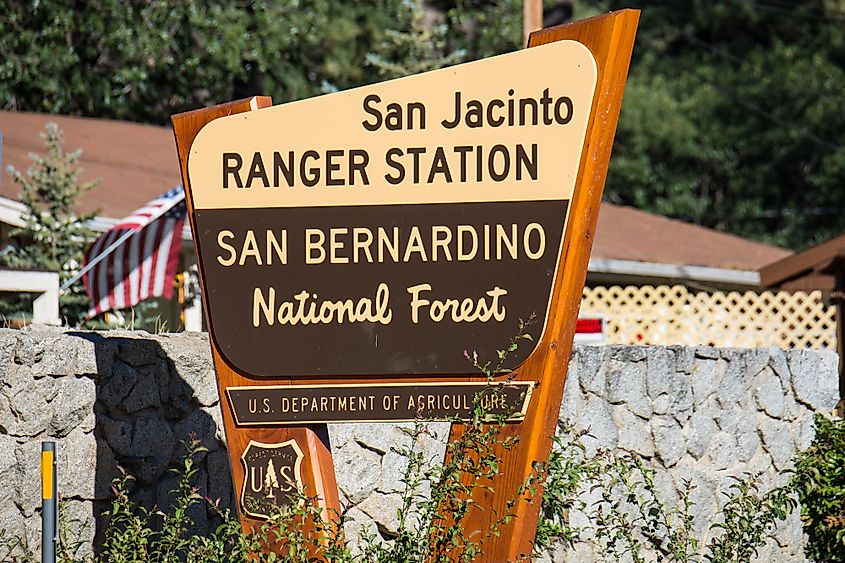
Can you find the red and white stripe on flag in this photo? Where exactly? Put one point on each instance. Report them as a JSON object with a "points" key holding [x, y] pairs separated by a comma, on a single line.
{"points": [[144, 264]]}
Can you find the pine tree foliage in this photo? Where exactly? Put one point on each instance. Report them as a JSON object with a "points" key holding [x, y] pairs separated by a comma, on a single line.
{"points": [[418, 47], [54, 235]]}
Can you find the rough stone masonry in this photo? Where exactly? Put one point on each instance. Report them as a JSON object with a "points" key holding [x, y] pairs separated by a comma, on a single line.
{"points": [[129, 398]]}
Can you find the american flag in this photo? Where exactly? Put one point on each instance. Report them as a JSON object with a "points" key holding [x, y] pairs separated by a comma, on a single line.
{"points": [[144, 262]]}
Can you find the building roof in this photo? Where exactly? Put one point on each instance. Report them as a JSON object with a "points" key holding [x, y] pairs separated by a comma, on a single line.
{"points": [[136, 163], [813, 268], [626, 233]]}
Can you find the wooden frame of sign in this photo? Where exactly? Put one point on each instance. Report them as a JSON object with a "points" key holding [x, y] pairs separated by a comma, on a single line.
{"points": [[610, 38], [284, 370]]}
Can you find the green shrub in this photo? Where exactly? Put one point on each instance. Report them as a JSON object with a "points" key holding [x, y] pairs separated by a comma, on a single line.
{"points": [[630, 521], [819, 479]]}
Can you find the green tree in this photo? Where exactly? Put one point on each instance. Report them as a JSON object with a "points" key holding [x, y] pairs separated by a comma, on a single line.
{"points": [[143, 61], [483, 28], [732, 117], [419, 48], [54, 236]]}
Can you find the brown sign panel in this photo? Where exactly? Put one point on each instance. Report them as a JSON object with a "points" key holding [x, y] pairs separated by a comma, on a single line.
{"points": [[388, 316], [386, 229], [257, 405]]}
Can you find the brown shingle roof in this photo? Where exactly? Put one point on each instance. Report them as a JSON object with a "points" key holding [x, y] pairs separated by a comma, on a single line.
{"points": [[626, 233], [135, 163], [812, 268]]}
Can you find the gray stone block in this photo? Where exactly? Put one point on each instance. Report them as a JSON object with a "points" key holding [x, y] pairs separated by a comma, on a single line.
{"points": [[598, 419], [219, 478], [769, 393], [77, 521], [733, 386], [119, 385], [9, 474], [722, 451], [11, 519], [30, 405], [806, 431], [137, 348], [198, 425], [573, 399], [778, 363], [27, 493], [354, 471], [144, 394], [684, 359], [705, 374], [699, 430], [153, 445], [150, 435], [708, 352], [190, 357], [383, 509], [393, 470], [341, 434], [668, 440], [118, 435], [777, 440], [626, 384], [29, 348], [660, 371], [64, 355], [628, 354], [747, 436], [77, 455], [811, 388], [74, 402], [381, 438], [8, 344], [214, 414], [592, 369], [756, 359], [359, 527], [634, 434]]}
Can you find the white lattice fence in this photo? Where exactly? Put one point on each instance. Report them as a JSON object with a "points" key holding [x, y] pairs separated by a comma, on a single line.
{"points": [[677, 315]]}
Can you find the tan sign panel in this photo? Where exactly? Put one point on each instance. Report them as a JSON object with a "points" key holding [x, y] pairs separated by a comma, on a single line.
{"points": [[507, 128], [385, 229]]}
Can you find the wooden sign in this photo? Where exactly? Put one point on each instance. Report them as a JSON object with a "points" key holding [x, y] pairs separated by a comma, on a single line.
{"points": [[383, 230], [353, 246]]}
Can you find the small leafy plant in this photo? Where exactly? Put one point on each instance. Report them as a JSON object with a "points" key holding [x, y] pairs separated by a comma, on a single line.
{"points": [[437, 498], [819, 480], [630, 521], [436, 502]]}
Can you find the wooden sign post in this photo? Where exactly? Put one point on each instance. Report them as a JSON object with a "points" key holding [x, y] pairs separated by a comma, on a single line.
{"points": [[352, 246]]}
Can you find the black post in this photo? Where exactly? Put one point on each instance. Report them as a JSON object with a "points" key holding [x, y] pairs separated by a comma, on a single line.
{"points": [[49, 512], [838, 299]]}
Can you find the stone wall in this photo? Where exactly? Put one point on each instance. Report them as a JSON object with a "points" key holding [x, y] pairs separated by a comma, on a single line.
{"points": [[129, 398]]}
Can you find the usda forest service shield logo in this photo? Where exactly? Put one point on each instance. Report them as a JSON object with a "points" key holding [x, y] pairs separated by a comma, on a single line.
{"points": [[271, 476]]}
